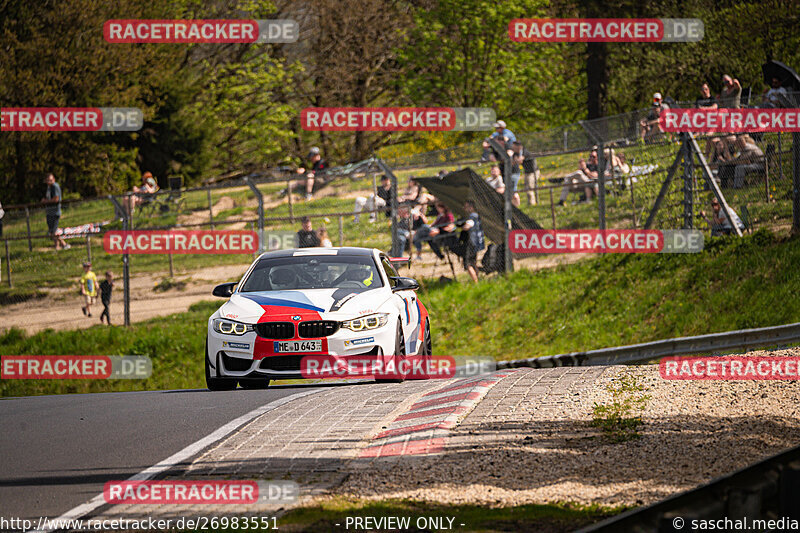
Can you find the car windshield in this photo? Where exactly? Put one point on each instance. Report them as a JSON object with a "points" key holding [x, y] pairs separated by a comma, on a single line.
{"points": [[313, 272]]}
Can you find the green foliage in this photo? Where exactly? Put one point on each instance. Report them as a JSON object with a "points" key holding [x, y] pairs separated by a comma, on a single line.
{"points": [[619, 418]]}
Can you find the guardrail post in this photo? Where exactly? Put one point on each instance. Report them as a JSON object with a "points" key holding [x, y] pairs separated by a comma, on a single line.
{"points": [[260, 199], [28, 225]]}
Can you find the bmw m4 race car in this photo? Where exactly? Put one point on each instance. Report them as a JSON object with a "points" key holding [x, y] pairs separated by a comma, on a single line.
{"points": [[321, 302]]}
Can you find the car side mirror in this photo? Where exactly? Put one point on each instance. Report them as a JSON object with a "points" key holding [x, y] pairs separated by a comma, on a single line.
{"points": [[405, 284], [224, 290]]}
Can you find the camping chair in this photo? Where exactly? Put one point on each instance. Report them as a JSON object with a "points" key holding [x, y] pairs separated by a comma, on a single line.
{"points": [[746, 219], [173, 200]]}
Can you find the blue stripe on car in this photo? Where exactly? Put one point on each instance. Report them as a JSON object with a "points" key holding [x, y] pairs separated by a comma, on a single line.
{"points": [[266, 300]]}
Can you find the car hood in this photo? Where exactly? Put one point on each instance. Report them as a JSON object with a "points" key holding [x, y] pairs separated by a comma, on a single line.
{"points": [[252, 307]]}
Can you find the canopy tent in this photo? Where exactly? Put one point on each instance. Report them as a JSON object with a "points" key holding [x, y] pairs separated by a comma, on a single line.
{"points": [[456, 187]]}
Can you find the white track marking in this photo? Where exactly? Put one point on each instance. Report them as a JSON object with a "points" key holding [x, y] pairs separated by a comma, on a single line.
{"points": [[179, 457]]}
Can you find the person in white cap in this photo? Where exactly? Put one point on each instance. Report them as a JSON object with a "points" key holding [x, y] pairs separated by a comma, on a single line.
{"points": [[500, 129], [649, 126]]}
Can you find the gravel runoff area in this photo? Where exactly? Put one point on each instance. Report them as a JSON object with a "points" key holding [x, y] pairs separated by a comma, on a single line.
{"points": [[531, 441]]}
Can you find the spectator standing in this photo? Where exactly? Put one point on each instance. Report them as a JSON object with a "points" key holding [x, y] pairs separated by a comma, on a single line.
{"points": [[319, 167], [705, 100], [52, 211], [475, 240], [306, 236], [106, 286], [88, 285], [495, 179], [2, 214], [530, 168], [731, 95]]}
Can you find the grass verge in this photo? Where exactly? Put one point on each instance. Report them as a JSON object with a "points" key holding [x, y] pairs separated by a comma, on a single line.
{"points": [[605, 301]]}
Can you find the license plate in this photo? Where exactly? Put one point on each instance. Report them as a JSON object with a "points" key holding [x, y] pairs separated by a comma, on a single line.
{"points": [[298, 346]]}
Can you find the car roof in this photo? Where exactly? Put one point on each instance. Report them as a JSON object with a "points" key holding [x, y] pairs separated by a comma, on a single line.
{"points": [[340, 251]]}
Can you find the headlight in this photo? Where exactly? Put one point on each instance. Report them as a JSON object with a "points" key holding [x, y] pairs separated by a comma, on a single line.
{"points": [[229, 327], [366, 322]]}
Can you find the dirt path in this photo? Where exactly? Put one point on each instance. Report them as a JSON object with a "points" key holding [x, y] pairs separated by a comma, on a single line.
{"points": [[62, 308]]}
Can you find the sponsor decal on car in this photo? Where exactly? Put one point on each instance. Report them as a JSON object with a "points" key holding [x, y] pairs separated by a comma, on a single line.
{"points": [[236, 345], [359, 342]]}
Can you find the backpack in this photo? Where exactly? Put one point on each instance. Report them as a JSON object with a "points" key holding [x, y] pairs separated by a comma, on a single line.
{"points": [[494, 259]]}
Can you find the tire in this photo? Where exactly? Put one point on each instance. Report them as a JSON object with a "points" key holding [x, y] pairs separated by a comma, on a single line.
{"points": [[427, 343], [216, 383], [254, 383], [399, 352]]}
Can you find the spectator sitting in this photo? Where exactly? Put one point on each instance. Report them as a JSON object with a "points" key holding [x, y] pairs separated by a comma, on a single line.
{"points": [[750, 159], [384, 199], [500, 130], [731, 95], [324, 239], [616, 167], [495, 179], [474, 241], [649, 126], [719, 222], [410, 220], [776, 96], [306, 236], [583, 178], [443, 225], [142, 194], [319, 168], [414, 195], [705, 100], [717, 152]]}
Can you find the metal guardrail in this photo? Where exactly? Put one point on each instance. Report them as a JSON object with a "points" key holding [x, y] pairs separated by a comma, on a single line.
{"points": [[640, 353], [767, 490]]}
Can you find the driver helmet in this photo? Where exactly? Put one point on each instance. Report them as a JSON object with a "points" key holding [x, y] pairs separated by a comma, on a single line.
{"points": [[283, 277]]}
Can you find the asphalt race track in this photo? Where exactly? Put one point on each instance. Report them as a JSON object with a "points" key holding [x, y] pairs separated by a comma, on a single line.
{"points": [[56, 452]]}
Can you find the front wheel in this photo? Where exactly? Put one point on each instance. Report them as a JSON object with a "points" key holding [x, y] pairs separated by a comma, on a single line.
{"points": [[217, 383], [399, 354], [427, 343]]}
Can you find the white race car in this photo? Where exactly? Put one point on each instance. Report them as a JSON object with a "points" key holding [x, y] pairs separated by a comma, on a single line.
{"points": [[326, 302]]}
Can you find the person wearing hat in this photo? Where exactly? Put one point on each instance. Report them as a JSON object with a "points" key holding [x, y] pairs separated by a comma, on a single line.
{"points": [[318, 168], [149, 187], [500, 130], [649, 125], [88, 285]]}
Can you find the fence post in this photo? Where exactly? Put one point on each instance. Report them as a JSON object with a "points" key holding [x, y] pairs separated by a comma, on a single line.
{"points": [[28, 224], [601, 186], [507, 210], [210, 210], [126, 277], [291, 203], [88, 248], [341, 230], [796, 183], [552, 208], [688, 175], [260, 199], [633, 203], [386, 170], [8, 266], [171, 275]]}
